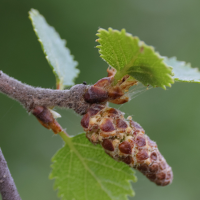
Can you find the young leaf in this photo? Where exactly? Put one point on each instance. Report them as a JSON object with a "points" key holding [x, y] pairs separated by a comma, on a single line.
{"points": [[129, 55], [57, 54], [183, 72], [83, 171]]}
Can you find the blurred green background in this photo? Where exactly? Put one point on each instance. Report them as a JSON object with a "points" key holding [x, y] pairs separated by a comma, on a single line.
{"points": [[170, 117]]}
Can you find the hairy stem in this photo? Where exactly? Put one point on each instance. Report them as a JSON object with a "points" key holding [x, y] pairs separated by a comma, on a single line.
{"points": [[31, 97], [8, 189]]}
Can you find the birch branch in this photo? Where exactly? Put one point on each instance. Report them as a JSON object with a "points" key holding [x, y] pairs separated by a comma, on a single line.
{"points": [[8, 189], [31, 97]]}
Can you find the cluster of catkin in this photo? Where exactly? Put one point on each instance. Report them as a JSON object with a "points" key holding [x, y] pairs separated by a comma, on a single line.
{"points": [[125, 140]]}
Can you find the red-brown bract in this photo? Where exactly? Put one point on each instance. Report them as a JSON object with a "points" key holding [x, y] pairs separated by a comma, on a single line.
{"points": [[125, 140]]}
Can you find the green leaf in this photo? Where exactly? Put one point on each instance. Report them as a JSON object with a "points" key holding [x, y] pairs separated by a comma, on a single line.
{"points": [[183, 72], [57, 54], [129, 55], [83, 171]]}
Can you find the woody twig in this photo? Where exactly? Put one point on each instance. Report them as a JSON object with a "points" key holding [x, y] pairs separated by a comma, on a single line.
{"points": [[8, 189]]}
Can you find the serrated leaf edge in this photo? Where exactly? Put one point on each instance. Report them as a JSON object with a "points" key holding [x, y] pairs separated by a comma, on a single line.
{"points": [[170, 73], [188, 66], [68, 142], [58, 80]]}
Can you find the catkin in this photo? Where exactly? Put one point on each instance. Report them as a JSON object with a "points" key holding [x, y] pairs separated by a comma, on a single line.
{"points": [[125, 140]]}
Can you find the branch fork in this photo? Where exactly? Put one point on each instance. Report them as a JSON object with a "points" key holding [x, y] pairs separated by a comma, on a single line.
{"points": [[38, 101]]}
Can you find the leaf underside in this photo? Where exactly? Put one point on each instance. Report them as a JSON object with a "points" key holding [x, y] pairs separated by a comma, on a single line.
{"points": [[129, 55], [183, 72], [57, 54], [83, 171]]}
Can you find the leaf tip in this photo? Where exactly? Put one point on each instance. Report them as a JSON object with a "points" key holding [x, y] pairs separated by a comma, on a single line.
{"points": [[33, 12], [101, 30], [163, 87], [123, 31], [110, 30]]}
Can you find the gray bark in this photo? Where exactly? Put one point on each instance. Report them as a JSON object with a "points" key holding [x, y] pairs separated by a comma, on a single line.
{"points": [[31, 97], [8, 189]]}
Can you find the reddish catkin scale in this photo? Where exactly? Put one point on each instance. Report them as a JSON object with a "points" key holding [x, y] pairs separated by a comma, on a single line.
{"points": [[125, 140], [106, 90], [46, 118]]}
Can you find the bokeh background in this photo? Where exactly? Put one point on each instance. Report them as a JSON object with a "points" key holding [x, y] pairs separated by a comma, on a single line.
{"points": [[170, 117]]}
